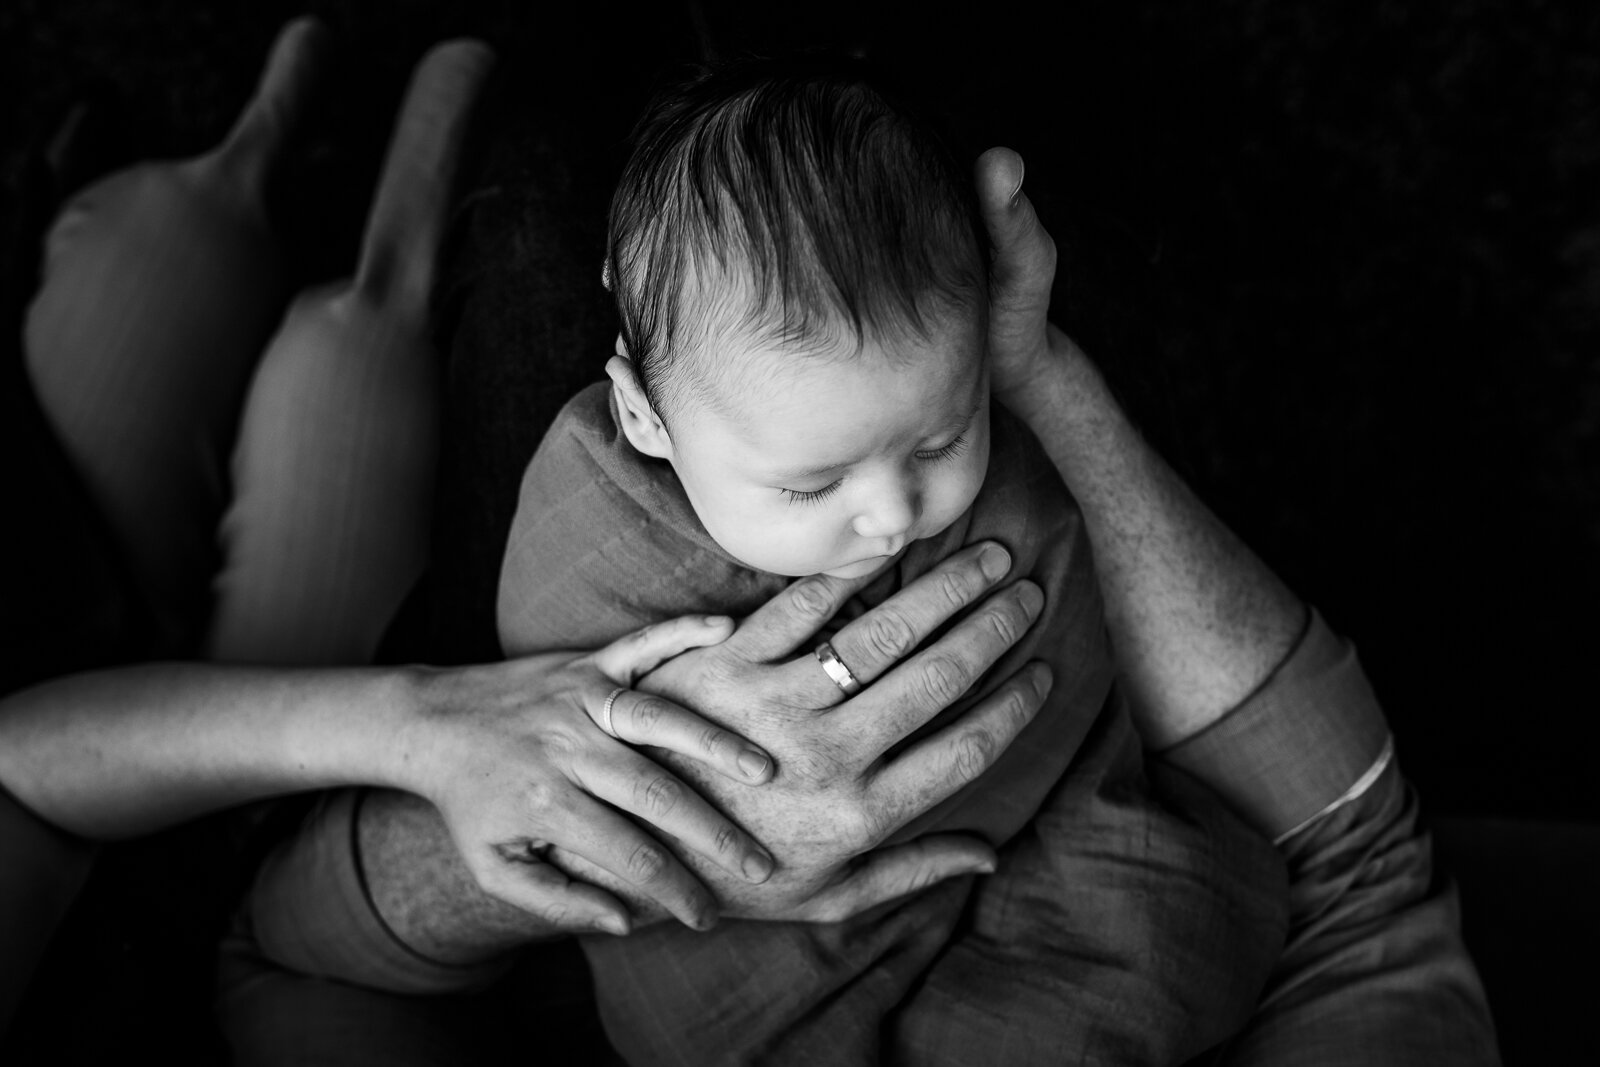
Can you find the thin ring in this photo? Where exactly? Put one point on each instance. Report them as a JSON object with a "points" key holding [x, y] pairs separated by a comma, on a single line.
{"points": [[605, 711], [837, 670]]}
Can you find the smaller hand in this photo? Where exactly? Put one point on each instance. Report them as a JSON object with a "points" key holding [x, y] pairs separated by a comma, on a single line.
{"points": [[515, 758]]}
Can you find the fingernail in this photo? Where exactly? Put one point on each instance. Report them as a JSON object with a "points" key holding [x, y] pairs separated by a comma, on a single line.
{"points": [[984, 868], [610, 924], [1022, 172], [717, 620], [757, 867], [753, 764], [1031, 597], [994, 561]]}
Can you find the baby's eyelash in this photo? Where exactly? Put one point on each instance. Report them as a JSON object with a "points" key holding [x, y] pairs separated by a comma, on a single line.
{"points": [[954, 448], [797, 496]]}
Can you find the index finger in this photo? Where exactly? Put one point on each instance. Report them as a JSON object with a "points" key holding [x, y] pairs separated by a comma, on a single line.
{"points": [[937, 766], [774, 630], [923, 686], [889, 632]]}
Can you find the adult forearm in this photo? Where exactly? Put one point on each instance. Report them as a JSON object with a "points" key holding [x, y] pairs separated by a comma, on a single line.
{"points": [[1197, 620], [405, 882], [121, 752]]}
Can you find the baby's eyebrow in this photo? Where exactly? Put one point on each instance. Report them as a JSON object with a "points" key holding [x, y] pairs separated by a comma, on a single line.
{"points": [[956, 424], [800, 474], [959, 423]]}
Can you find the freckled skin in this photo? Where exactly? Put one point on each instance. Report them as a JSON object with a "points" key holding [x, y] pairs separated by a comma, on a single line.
{"points": [[895, 439]]}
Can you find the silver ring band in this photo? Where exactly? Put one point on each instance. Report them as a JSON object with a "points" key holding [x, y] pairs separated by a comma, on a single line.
{"points": [[836, 669], [605, 711]]}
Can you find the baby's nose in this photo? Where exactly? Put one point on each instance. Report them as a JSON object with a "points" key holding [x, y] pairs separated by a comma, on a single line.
{"points": [[889, 512]]}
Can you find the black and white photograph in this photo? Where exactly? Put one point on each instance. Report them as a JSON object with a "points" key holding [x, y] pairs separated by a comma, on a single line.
{"points": [[696, 533]]}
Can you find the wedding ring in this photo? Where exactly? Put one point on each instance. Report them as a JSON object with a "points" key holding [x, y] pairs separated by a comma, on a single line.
{"points": [[605, 711], [837, 670]]}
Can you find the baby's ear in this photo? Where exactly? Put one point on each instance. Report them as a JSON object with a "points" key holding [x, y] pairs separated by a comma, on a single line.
{"points": [[643, 427]]}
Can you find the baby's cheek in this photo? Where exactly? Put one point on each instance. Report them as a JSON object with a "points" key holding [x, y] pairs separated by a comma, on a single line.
{"points": [[778, 542], [975, 467]]}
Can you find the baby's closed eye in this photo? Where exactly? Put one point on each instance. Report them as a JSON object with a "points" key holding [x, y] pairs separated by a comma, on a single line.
{"points": [[812, 496]]}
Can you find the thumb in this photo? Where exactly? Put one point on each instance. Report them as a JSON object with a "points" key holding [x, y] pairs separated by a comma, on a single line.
{"points": [[634, 655], [887, 873], [1024, 262]]}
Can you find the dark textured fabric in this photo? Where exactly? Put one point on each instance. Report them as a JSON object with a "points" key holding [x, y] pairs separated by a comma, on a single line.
{"points": [[1375, 970], [1116, 930], [1373, 974]]}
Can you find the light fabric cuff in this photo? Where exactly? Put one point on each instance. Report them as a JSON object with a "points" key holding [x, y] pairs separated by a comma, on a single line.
{"points": [[1299, 745]]}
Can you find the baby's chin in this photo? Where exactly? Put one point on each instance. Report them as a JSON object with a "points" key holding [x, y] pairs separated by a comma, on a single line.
{"points": [[860, 568]]}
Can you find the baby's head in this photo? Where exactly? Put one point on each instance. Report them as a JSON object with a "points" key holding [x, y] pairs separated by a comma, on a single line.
{"points": [[802, 278]]}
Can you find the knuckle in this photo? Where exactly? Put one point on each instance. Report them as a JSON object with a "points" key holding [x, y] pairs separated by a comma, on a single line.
{"points": [[648, 715], [975, 750], [726, 839], [1020, 705], [646, 863], [955, 587], [941, 680], [714, 742], [557, 913], [865, 828], [559, 747], [811, 601], [889, 634], [657, 796], [539, 796], [1004, 626]]}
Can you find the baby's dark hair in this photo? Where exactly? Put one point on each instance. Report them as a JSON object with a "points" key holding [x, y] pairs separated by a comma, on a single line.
{"points": [[833, 206]]}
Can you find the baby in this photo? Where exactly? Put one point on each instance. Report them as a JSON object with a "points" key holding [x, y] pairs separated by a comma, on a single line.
{"points": [[801, 387]]}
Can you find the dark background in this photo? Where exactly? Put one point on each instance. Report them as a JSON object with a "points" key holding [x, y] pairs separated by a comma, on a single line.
{"points": [[1342, 262]]}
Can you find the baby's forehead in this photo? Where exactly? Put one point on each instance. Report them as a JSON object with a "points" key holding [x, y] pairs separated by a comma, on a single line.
{"points": [[734, 368]]}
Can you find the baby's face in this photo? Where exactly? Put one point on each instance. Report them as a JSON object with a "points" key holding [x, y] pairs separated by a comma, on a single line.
{"points": [[834, 463]]}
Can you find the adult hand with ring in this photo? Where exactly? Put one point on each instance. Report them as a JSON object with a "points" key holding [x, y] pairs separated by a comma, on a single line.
{"points": [[835, 669], [522, 758], [835, 798]]}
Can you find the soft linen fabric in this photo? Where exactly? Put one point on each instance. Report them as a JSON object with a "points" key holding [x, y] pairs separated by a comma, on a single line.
{"points": [[1374, 971], [1127, 922]]}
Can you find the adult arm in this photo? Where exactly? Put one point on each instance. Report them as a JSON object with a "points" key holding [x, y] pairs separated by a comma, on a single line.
{"points": [[1196, 618], [412, 919], [121, 752], [1240, 685]]}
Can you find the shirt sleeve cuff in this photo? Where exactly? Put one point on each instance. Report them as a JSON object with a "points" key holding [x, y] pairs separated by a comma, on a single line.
{"points": [[312, 912], [1299, 746]]}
